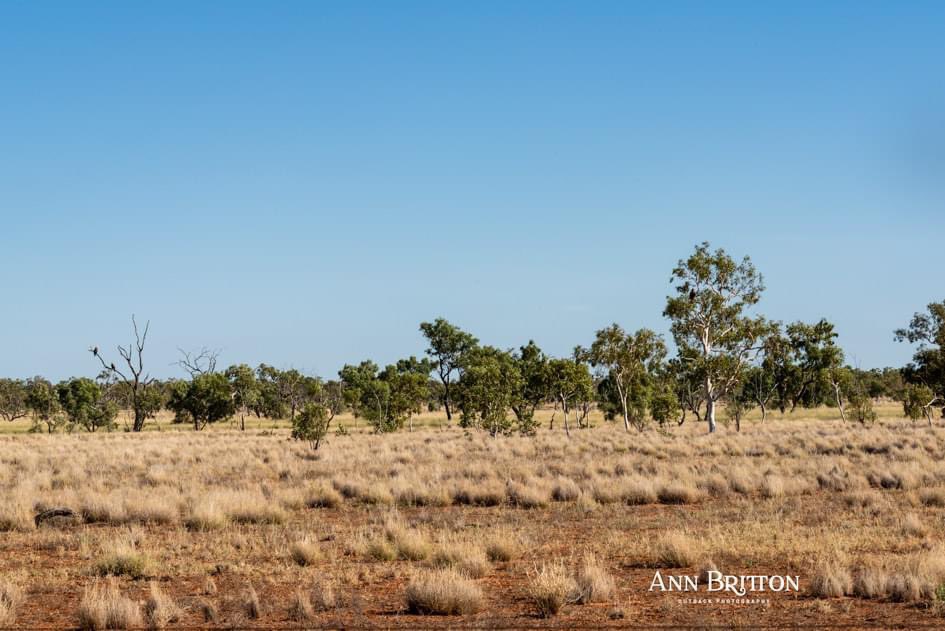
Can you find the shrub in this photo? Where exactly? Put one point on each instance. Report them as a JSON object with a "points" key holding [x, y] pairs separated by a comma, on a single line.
{"points": [[772, 486], [123, 560], [381, 550], [870, 582], [550, 588], [912, 526], [105, 608], [594, 583], [443, 592]]}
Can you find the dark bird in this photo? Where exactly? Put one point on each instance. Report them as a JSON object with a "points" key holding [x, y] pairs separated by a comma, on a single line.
{"points": [[94, 350], [113, 365], [692, 295]]}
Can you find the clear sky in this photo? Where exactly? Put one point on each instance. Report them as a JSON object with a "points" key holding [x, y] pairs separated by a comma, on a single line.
{"points": [[303, 183]]}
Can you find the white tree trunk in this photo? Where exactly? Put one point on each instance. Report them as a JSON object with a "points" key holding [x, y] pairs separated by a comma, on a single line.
{"points": [[710, 414]]}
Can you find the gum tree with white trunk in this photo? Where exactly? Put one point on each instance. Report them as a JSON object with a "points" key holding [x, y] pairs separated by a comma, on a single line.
{"points": [[715, 333]]}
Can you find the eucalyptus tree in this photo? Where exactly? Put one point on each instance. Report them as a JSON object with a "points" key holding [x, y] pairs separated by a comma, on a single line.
{"points": [[448, 344], [387, 398], [244, 388], [205, 399], [490, 383], [926, 371], [569, 381], [711, 324], [13, 395], [532, 366], [311, 424], [43, 402], [85, 405], [630, 363], [146, 399]]}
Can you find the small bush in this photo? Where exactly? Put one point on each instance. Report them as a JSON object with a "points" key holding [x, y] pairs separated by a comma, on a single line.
{"points": [[105, 608], [637, 492], [123, 560], [381, 550], [550, 588], [870, 582], [772, 486], [443, 592]]}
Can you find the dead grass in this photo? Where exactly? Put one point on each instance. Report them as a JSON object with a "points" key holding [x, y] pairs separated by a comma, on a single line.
{"points": [[443, 592], [104, 607], [160, 611], [674, 550], [594, 583], [550, 587], [11, 596]]}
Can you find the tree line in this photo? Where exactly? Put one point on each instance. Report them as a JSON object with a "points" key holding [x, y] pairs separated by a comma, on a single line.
{"points": [[725, 354]]}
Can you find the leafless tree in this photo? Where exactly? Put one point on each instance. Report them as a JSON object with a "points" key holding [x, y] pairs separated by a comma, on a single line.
{"points": [[144, 403], [200, 362]]}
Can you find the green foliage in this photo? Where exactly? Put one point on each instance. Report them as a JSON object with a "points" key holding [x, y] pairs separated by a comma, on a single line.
{"points": [[269, 400], [569, 381], [245, 389], [918, 401], [13, 395], [43, 402], [710, 325], [85, 406], [490, 383], [928, 363], [448, 345], [207, 398], [532, 365], [632, 364], [311, 424], [389, 398]]}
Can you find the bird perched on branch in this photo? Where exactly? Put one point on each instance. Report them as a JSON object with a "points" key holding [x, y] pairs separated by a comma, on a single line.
{"points": [[94, 350]]}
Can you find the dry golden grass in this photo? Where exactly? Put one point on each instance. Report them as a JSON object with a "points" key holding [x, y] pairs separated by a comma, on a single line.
{"points": [[552, 518], [443, 592], [104, 607]]}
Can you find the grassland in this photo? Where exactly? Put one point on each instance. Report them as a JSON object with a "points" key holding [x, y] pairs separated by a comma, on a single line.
{"points": [[440, 527]]}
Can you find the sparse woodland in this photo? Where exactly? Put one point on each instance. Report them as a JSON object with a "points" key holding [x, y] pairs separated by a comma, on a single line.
{"points": [[500, 486]]}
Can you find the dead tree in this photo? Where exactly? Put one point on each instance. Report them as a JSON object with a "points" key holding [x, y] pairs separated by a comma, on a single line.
{"points": [[197, 363], [133, 375]]}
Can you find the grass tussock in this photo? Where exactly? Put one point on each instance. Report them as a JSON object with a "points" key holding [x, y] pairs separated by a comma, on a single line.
{"points": [[123, 559], [160, 611], [464, 557], [11, 596], [443, 592], [305, 552], [105, 607], [831, 579], [594, 583], [674, 550], [550, 588]]}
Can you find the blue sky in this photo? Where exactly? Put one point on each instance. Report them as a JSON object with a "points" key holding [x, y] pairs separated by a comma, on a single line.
{"points": [[303, 183]]}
